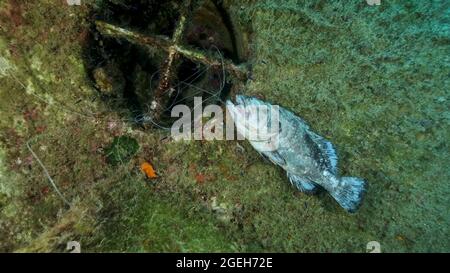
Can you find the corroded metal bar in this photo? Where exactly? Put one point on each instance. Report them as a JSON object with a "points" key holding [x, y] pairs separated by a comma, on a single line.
{"points": [[168, 72], [134, 37], [165, 44]]}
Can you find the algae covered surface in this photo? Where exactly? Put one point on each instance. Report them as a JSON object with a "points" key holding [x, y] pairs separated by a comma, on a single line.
{"points": [[373, 79]]}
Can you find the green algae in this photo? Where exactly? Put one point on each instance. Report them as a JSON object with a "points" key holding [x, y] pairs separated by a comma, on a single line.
{"points": [[121, 150]]}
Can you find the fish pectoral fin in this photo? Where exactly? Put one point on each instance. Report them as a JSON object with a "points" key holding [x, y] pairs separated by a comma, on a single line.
{"points": [[276, 158], [332, 155], [303, 184]]}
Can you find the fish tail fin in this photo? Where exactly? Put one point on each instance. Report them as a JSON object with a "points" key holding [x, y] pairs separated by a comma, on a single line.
{"points": [[350, 194]]}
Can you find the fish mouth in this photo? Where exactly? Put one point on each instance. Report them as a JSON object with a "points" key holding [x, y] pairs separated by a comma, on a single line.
{"points": [[242, 100], [239, 106]]}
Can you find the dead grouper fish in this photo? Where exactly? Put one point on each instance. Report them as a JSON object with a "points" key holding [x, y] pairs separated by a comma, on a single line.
{"points": [[309, 160]]}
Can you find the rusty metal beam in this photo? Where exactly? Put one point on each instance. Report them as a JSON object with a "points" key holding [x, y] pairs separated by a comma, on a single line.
{"points": [[164, 43]]}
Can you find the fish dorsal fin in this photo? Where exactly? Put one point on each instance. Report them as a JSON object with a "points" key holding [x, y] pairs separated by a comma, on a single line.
{"points": [[292, 116], [328, 150]]}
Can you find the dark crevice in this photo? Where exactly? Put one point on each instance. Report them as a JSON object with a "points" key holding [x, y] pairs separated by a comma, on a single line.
{"points": [[126, 74]]}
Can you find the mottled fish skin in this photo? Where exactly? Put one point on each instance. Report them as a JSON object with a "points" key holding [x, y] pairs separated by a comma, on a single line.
{"points": [[309, 160]]}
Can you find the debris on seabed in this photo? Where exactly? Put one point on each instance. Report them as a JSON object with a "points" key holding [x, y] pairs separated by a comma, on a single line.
{"points": [[149, 171]]}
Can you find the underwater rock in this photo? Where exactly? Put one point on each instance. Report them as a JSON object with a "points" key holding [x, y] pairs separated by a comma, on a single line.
{"points": [[5, 67], [109, 80]]}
